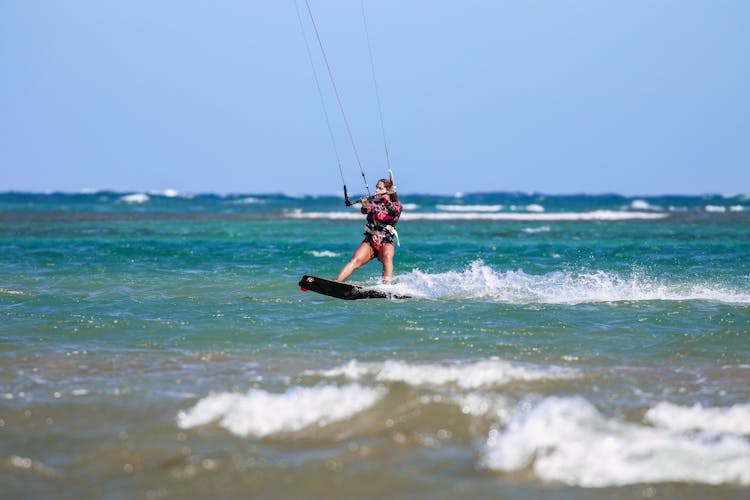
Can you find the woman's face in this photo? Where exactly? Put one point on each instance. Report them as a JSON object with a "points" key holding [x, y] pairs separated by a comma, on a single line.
{"points": [[380, 189]]}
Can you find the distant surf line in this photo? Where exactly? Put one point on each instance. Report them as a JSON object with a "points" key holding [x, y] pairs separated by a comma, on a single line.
{"points": [[596, 215]]}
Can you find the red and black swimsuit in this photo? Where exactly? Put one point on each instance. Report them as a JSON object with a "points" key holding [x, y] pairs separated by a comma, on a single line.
{"points": [[380, 214]]}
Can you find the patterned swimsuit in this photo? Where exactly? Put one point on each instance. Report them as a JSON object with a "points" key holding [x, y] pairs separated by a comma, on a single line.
{"points": [[380, 215]]}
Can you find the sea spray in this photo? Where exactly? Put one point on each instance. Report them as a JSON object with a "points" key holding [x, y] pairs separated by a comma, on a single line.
{"points": [[480, 281]]}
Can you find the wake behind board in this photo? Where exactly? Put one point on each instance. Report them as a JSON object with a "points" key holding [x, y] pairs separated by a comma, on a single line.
{"points": [[343, 290]]}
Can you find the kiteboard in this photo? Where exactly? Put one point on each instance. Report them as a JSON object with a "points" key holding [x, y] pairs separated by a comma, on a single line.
{"points": [[344, 291]]}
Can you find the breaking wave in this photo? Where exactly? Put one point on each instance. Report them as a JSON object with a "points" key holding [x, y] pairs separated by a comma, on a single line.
{"points": [[483, 373], [259, 413], [562, 439], [731, 420], [135, 198], [568, 440]]}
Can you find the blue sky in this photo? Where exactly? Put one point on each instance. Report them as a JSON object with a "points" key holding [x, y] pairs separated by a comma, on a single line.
{"points": [[634, 97]]}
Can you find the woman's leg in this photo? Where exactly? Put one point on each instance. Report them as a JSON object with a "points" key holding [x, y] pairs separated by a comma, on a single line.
{"points": [[385, 255], [362, 255]]}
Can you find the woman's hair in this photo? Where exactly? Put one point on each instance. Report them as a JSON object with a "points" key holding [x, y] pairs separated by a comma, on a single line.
{"points": [[388, 185]]}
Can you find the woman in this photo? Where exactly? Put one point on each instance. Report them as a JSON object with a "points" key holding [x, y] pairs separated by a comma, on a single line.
{"points": [[383, 212]]}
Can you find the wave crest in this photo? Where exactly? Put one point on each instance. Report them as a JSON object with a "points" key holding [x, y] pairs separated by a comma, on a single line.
{"points": [[569, 440], [731, 420], [260, 413], [483, 373]]}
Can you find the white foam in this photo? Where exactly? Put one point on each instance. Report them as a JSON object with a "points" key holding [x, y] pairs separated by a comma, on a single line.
{"points": [[480, 281], [469, 208], [353, 370], [569, 440], [731, 420], [297, 213], [643, 205], [483, 373], [295, 196], [247, 201], [737, 208], [135, 198], [260, 413], [533, 230], [715, 209], [597, 215], [409, 206], [323, 253], [738, 196], [534, 207]]}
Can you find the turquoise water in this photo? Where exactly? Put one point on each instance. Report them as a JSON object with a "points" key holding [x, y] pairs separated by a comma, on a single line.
{"points": [[568, 346]]}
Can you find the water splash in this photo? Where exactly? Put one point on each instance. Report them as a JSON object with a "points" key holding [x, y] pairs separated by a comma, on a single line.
{"points": [[480, 281]]}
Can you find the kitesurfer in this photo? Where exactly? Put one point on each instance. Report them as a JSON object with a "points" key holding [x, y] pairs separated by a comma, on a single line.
{"points": [[383, 211]]}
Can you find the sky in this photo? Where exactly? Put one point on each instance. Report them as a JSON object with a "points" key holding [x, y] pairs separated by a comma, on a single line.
{"points": [[636, 97]]}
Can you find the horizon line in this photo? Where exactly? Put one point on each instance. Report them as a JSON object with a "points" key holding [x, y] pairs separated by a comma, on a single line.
{"points": [[174, 193]]}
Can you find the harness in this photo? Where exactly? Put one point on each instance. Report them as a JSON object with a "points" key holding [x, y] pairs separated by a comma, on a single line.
{"points": [[385, 232]]}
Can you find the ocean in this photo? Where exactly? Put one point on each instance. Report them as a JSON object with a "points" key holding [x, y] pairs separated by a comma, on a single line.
{"points": [[157, 345]]}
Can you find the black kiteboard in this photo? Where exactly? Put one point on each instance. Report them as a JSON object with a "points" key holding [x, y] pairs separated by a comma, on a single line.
{"points": [[343, 290]]}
